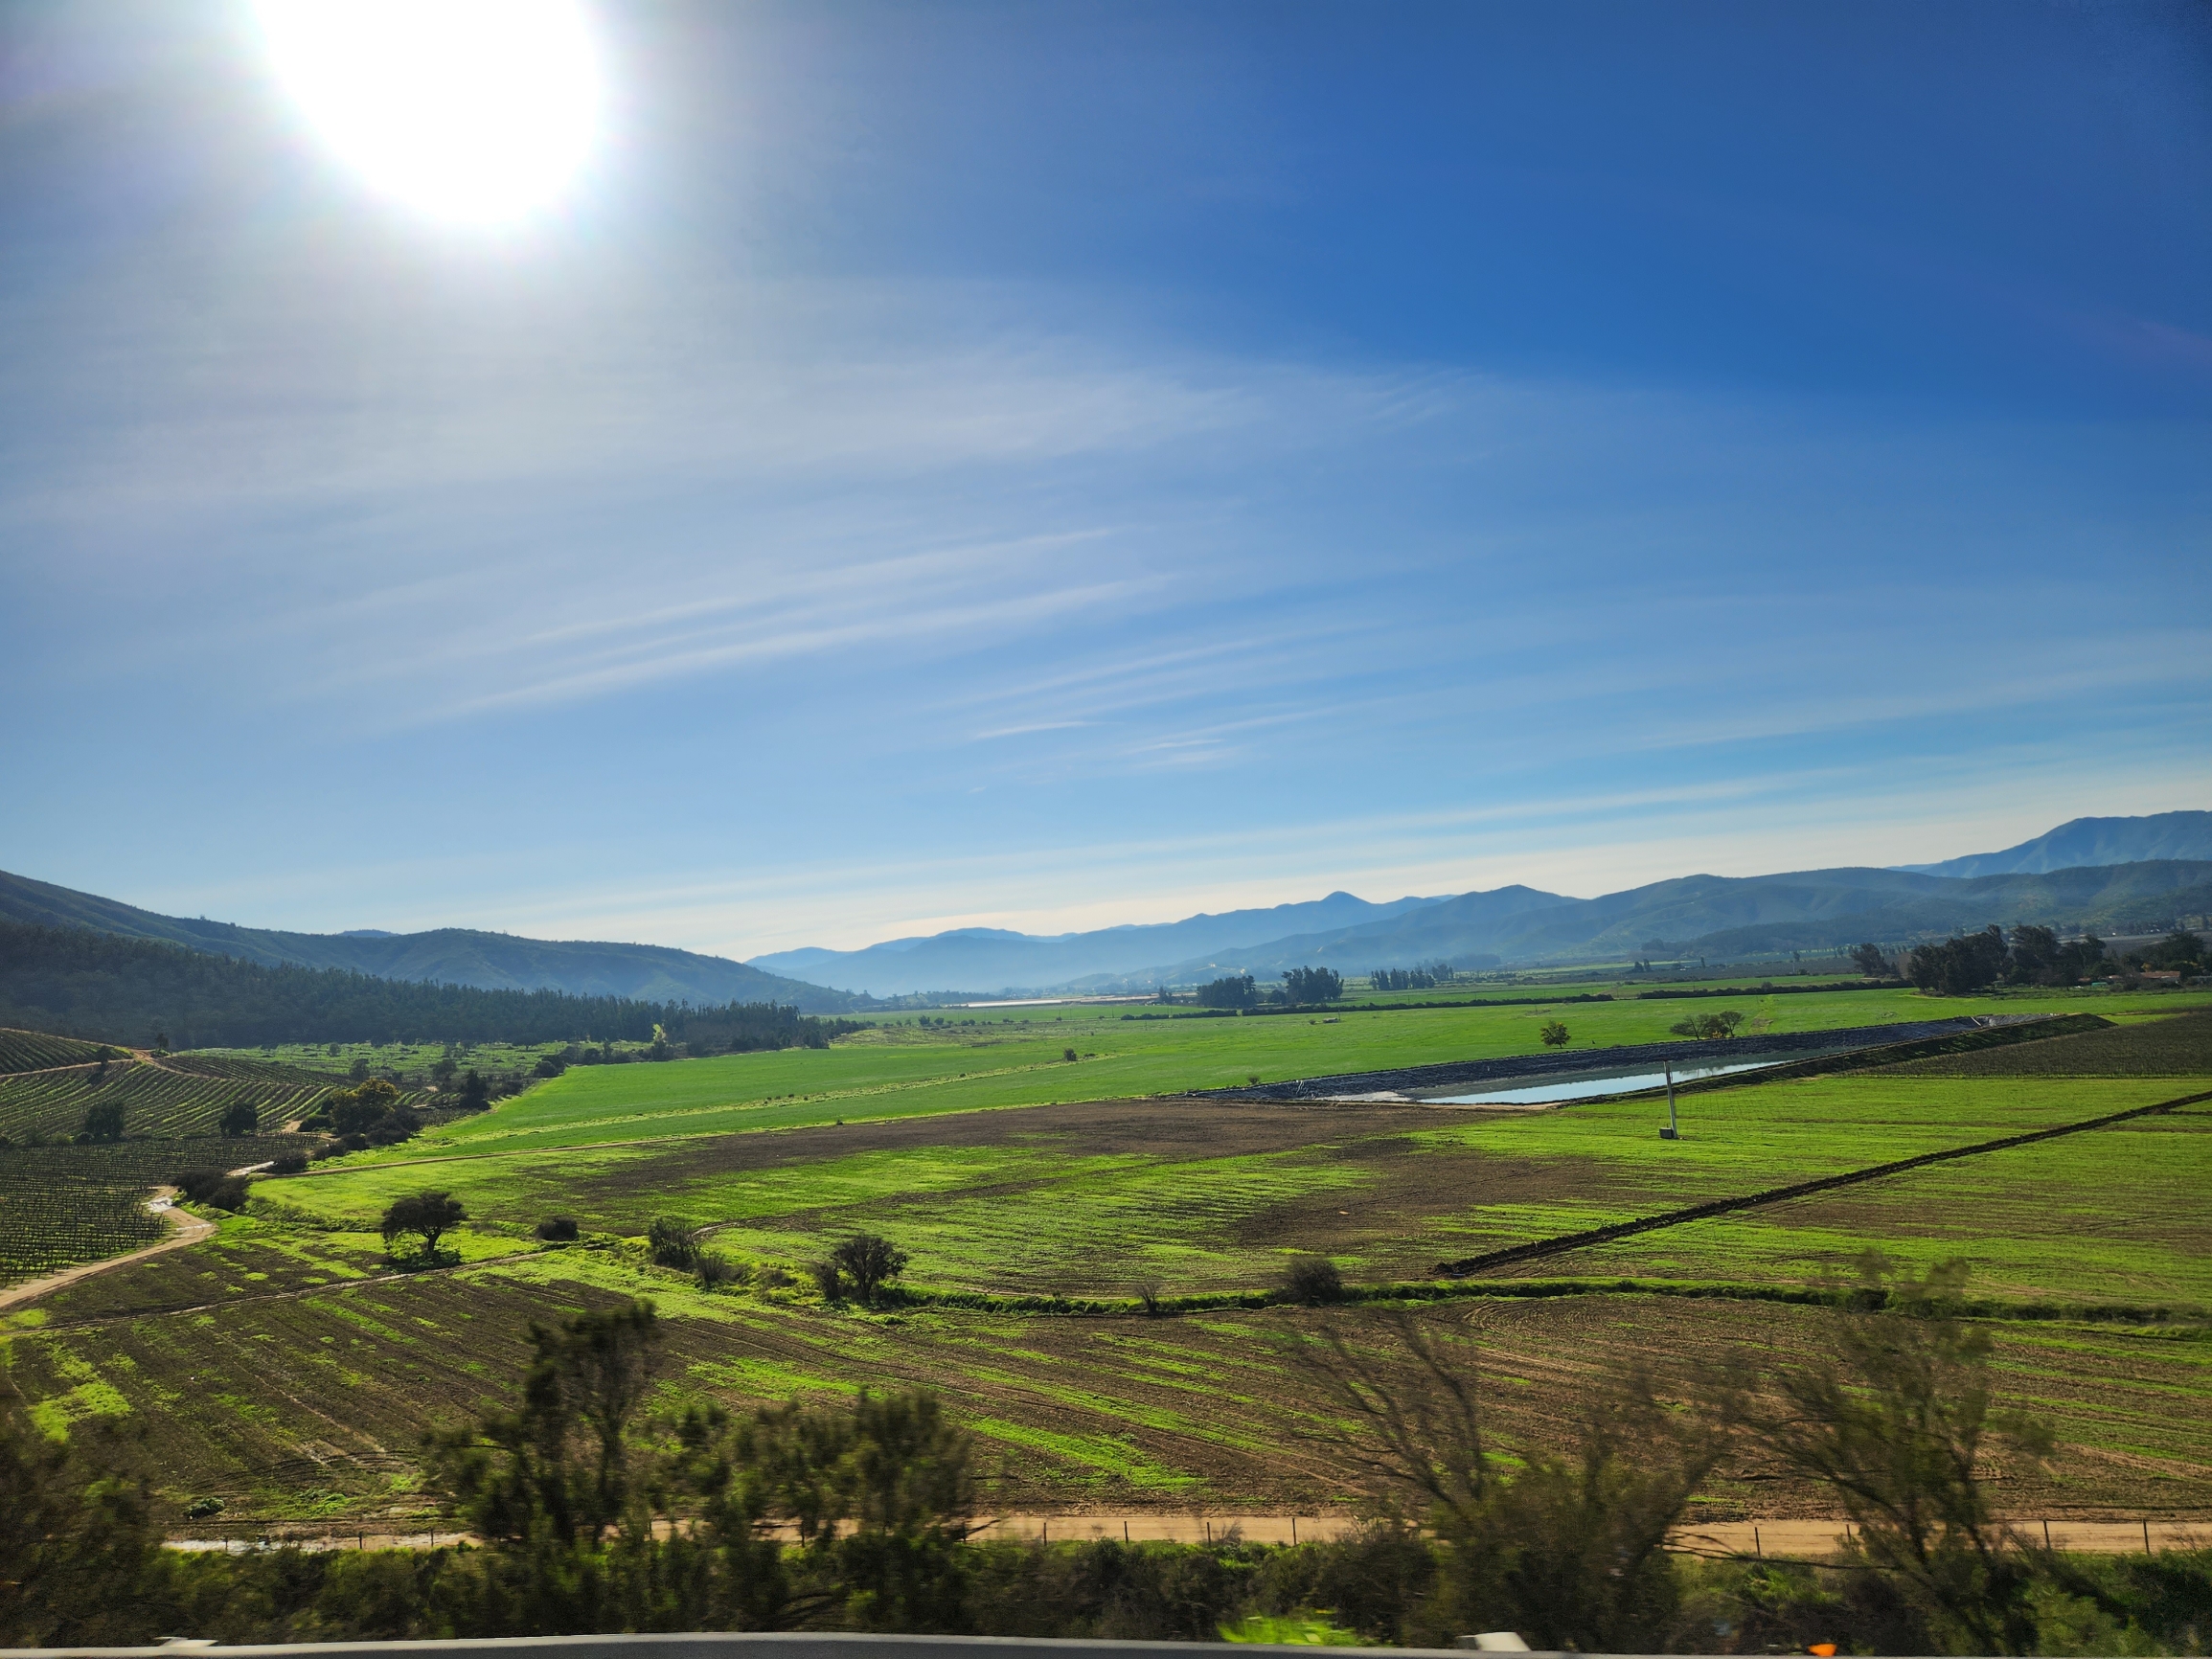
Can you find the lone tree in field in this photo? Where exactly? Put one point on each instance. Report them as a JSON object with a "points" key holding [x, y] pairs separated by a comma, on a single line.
{"points": [[1869, 960], [240, 1118], [1554, 1034], [103, 1121], [869, 1262], [428, 1216]]}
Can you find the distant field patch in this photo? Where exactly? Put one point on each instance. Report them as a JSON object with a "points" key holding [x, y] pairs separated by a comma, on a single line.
{"points": [[2178, 1046], [905, 1069], [29, 1051]]}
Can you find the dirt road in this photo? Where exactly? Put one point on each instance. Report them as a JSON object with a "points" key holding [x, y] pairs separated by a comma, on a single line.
{"points": [[184, 1229], [1795, 1541]]}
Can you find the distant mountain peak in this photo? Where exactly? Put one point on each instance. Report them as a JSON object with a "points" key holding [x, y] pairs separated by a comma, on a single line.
{"points": [[2081, 843]]}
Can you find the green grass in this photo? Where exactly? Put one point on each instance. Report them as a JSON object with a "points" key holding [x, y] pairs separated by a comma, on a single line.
{"points": [[986, 1204], [2116, 1214], [899, 1070]]}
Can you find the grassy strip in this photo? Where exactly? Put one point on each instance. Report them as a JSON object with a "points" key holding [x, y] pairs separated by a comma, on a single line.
{"points": [[1889, 1055], [1846, 1297], [1364, 1007], [1797, 1190], [1777, 989]]}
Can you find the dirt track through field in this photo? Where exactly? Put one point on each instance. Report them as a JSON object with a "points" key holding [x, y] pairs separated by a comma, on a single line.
{"points": [[1772, 1539], [1515, 1254]]}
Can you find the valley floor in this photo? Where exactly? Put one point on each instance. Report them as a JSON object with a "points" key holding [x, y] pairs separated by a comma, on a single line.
{"points": [[286, 1367]]}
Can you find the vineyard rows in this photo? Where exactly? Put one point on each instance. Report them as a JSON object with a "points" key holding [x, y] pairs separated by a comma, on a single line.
{"points": [[29, 1051], [62, 1205], [237, 1067], [157, 1102]]}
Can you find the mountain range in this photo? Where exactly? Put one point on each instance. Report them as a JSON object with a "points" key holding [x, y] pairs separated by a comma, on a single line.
{"points": [[440, 956], [2085, 841], [2116, 874]]}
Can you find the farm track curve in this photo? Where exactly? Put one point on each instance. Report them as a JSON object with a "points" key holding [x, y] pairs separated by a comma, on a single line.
{"points": [[187, 1229]]}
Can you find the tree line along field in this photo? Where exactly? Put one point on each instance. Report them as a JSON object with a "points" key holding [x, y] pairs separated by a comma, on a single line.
{"points": [[288, 1368]]}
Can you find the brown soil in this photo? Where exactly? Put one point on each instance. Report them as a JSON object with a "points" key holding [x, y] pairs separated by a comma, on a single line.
{"points": [[330, 1391]]}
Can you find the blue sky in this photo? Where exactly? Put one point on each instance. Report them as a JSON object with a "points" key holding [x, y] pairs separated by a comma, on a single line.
{"points": [[1051, 465]]}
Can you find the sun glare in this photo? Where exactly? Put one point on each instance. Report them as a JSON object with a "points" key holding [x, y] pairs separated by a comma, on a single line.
{"points": [[474, 111]]}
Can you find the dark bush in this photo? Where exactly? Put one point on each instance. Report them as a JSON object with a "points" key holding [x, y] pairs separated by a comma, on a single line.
{"points": [[828, 1280], [671, 1244], [103, 1122], [240, 1118], [558, 1230], [287, 1164], [214, 1187], [1314, 1280]]}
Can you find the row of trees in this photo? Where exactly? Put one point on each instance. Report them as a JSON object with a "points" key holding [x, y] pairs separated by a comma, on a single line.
{"points": [[1424, 978], [2028, 955], [75, 982], [1976, 961], [598, 1515], [1301, 988]]}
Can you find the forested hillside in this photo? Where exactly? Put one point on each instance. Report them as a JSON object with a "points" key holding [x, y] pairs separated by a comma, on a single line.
{"points": [[440, 956], [109, 988]]}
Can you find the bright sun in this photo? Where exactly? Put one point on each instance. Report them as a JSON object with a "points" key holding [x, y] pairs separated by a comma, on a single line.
{"points": [[476, 111]]}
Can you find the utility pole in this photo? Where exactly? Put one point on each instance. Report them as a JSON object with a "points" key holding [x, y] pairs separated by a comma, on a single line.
{"points": [[1670, 1132]]}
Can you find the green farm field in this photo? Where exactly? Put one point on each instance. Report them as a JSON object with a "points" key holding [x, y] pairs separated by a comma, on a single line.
{"points": [[1092, 1198], [899, 1069], [288, 1367]]}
